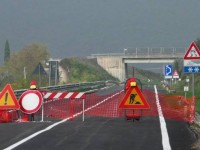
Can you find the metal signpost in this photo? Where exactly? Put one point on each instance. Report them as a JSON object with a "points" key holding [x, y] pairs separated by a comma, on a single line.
{"points": [[192, 62], [186, 89], [168, 72], [175, 75]]}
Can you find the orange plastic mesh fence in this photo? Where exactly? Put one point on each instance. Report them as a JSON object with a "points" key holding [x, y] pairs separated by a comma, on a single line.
{"points": [[173, 107]]}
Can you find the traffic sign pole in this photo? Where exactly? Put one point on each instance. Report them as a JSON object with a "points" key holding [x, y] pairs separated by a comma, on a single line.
{"points": [[42, 110], [193, 87], [191, 62]]}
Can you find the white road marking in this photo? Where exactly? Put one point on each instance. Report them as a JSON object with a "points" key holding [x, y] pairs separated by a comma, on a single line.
{"points": [[35, 134], [57, 123], [165, 137]]}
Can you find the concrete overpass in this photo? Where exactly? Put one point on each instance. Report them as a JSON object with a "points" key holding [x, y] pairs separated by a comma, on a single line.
{"points": [[116, 63]]}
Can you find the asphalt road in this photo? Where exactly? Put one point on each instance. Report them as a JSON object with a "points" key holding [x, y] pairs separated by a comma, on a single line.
{"points": [[97, 133]]}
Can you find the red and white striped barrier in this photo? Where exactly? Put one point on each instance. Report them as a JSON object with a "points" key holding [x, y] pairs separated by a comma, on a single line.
{"points": [[64, 95]]}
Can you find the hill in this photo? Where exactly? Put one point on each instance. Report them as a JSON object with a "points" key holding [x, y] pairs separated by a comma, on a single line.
{"points": [[84, 70], [88, 70]]}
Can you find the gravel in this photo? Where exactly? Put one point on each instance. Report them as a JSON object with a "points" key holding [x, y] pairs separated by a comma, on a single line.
{"points": [[196, 129]]}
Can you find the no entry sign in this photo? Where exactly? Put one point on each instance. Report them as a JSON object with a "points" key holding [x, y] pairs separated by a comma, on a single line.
{"points": [[30, 101]]}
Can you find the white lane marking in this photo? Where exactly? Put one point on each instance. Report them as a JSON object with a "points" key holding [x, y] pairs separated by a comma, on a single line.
{"points": [[35, 134], [57, 123], [165, 137]]}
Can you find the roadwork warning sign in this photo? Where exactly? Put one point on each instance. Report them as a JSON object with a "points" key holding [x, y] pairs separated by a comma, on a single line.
{"points": [[134, 99], [8, 99]]}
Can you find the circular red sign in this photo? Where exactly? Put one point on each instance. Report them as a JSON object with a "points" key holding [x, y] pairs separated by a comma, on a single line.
{"points": [[30, 101]]}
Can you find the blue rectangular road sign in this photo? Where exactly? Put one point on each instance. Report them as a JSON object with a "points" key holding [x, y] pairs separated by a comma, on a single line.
{"points": [[168, 71], [191, 69]]}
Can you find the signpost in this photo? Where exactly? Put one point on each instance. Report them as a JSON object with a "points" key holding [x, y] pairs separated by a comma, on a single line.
{"points": [[192, 62], [175, 74], [30, 101], [192, 59], [168, 71]]}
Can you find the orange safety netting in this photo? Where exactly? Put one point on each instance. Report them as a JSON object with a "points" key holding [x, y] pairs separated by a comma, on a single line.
{"points": [[173, 107]]}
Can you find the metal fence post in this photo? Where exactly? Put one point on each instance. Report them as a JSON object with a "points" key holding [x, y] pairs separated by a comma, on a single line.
{"points": [[42, 110], [83, 110]]}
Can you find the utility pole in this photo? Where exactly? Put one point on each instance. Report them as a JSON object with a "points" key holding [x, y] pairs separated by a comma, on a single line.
{"points": [[24, 73]]}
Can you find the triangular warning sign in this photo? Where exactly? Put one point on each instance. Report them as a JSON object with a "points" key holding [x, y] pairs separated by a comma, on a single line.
{"points": [[39, 70], [175, 73], [8, 99], [134, 100], [193, 52]]}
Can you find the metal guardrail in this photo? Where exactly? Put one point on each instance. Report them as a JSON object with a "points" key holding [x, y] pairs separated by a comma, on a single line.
{"points": [[66, 87], [147, 52]]}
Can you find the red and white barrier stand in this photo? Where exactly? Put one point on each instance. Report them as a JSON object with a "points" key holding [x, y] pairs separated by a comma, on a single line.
{"points": [[72, 96]]}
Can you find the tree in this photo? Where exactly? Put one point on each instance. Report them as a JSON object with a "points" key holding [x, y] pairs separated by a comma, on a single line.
{"points": [[26, 60], [178, 66], [6, 51]]}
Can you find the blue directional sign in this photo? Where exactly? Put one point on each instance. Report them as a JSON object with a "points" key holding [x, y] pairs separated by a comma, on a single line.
{"points": [[191, 69], [168, 71]]}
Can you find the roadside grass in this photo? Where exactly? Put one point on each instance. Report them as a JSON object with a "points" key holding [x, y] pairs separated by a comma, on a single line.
{"points": [[180, 91], [197, 95]]}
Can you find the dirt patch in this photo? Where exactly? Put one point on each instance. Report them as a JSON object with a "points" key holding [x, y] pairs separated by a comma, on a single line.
{"points": [[196, 129]]}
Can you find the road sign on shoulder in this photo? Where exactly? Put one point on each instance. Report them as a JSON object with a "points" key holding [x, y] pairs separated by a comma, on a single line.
{"points": [[134, 99], [30, 101], [8, 99], [191, 69], [192, 59], [175, 74], [192, 53], [168, 71]]}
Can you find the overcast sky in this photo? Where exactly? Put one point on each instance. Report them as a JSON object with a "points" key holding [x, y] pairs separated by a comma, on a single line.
{"points": [[82, 27]]}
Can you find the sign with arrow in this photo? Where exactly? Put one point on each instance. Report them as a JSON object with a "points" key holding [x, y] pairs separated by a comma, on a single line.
{"points": [[168, 71]]}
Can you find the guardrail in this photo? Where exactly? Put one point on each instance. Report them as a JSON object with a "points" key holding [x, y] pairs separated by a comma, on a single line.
{"points": [[66, 87], [148, 52]]}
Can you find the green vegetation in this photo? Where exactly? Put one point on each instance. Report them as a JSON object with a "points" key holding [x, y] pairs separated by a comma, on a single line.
{"points": [[179, 87], [146, 77], [84, 70], [18, 70], [6, 51]]}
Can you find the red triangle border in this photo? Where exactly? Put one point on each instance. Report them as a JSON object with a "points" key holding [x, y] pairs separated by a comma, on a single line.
{"points": [[122, 104], [9, 88], [188, 51]]}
